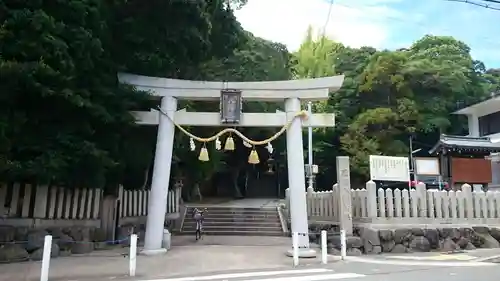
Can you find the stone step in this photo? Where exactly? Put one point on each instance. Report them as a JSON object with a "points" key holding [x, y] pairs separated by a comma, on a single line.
{"points": [[235, 221], [267, 214], [235, 232], [233, 226], [236, 218], [230, 208], [236, 213], [214, 224]]}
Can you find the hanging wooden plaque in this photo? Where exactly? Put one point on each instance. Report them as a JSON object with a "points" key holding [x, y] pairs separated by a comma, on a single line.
{"points": [[230, 106]]}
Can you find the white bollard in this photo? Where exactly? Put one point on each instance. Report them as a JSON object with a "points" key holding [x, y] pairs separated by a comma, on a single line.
{"points": [[133, 255], [47, 248], [343, 245], [324, 253], [295, 246]]}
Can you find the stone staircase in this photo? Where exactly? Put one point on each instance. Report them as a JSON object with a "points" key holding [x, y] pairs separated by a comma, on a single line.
{"points": [[235, 221]]}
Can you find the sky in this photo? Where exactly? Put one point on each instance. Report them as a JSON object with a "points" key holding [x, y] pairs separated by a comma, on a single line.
{"points": [[383, 24]]}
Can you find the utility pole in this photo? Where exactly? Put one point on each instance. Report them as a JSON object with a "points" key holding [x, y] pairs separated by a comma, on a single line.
{"points": [[309, 148], [412, 160]]}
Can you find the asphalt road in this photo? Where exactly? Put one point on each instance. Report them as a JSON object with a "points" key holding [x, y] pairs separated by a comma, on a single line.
{"points": [[353, 271], [378, 272]]}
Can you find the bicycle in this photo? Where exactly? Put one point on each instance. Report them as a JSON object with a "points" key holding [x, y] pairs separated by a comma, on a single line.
{"points": [[198, 216]]}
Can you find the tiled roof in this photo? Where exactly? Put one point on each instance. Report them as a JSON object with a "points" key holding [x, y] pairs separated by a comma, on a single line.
{"points": [[479, 144]]}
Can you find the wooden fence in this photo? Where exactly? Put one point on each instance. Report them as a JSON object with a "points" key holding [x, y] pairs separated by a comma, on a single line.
{"points": [[25, 201], [415, 206], [422, 206], [326, 207], [134, 203]]}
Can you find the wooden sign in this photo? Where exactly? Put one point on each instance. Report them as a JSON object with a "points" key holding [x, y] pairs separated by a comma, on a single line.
{"points": [[230, 106]]}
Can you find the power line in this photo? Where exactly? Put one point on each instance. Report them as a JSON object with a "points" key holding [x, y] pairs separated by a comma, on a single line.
{"points": [[487, 6], [330, 8], [491, 1], [423, 24]]}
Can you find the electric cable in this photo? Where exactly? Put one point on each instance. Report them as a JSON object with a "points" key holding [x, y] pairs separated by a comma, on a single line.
{"points": [[486, 6], [330, 8], [423, 24]]}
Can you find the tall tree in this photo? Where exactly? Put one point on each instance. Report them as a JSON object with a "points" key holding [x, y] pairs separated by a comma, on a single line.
{"points": [[316, 56], [63, 116], [410, 91], [388, 95]]}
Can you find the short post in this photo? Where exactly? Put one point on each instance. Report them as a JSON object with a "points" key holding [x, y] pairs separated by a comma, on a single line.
{"points": [[133, 255], [343, 245], [345, 200], [469, 200], [324, 253], [371, 190], [295, 246], [47, 248], [422, 194]]}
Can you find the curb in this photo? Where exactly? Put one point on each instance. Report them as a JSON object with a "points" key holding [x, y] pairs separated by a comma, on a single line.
{"points": [[486, 259], [473, 263]]}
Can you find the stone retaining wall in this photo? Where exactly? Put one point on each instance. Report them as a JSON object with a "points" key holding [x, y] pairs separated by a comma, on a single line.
{"points": [[25, 243], [405, 240], [370, 240]]}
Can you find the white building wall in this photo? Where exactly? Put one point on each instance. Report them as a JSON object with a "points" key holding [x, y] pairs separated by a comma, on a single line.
{"points": [[473, 125]]}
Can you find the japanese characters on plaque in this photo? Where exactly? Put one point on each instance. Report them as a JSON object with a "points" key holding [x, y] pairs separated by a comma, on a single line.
{"points": [[389, 168], [230, 106]]}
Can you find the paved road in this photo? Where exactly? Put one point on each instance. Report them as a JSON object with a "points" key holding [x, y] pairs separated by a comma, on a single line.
{"points": [[207, 260], [353, 271]]}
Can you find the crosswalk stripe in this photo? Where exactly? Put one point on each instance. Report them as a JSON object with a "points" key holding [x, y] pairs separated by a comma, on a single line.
{"points": [[248, 274], [333, 276], [439, 257]]}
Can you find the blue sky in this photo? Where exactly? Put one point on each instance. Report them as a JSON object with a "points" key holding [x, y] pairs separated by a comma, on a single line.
{"points": [[379, 23]]}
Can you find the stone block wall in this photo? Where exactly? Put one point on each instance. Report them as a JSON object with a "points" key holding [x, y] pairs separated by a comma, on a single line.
{"points": [[426, 239], [398, 240], [24, 243]]}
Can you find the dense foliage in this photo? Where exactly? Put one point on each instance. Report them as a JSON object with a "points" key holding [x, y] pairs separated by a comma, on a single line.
{"points": [[63, 116], [65, 119], [389, 96]]}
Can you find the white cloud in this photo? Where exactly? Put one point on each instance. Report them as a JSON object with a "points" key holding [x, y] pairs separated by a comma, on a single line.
{"points": [[356, 23]]}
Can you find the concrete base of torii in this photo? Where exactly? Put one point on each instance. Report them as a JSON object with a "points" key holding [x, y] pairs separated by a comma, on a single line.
{"points": [[153, 252], [303, 253]]}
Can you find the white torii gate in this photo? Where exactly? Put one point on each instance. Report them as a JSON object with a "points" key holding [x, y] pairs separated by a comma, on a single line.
{"points": [[292, 92]]}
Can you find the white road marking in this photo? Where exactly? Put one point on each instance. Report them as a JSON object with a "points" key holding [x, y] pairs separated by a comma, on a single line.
{"points": [[314, 277], [418, 263], [247, 275], [487, 258], [439, 257]]}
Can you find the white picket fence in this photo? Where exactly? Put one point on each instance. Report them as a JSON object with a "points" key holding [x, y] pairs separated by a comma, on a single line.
{"points": [[25, 201], [134, 203], [333, 206], [43, 202], [422, 206], [415, 206], [321, 205]]}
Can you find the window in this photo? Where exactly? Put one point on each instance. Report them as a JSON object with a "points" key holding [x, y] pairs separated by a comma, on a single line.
{"points": [[489, 124]]}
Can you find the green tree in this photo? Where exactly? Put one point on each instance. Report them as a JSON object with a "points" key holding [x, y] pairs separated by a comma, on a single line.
{"points": [[63, 113], [410, 91], [388, 95], [63, 116], [316, 56]]}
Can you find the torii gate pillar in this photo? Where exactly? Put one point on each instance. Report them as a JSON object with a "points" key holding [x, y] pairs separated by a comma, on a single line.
{"points": [[292, 92], [296, 179], [161, 178]]}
